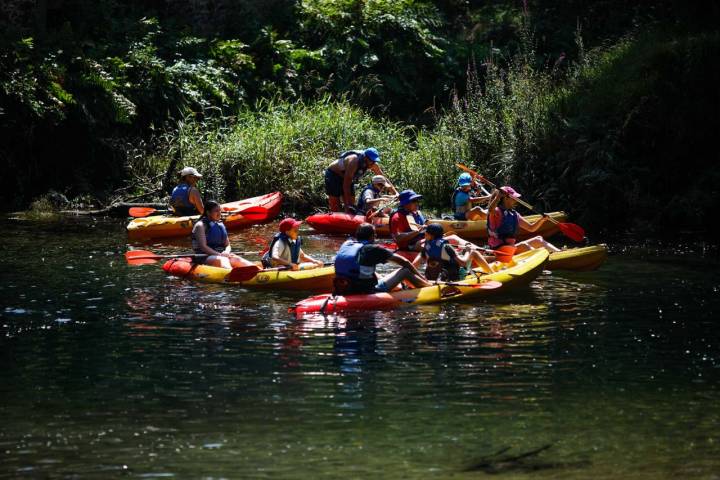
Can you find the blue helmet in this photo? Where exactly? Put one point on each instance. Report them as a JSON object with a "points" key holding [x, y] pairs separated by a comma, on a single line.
{"points": [[464, 180], [372, 154]]}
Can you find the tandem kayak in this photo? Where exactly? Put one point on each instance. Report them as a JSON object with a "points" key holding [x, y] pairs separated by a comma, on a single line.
{"points": [[581, 259], [345, 224], [316, 280], [523, 270], [165, 226]]}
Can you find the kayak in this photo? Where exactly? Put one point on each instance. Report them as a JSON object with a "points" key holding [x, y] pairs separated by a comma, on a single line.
{"points": [[315, 280], [579, 259], [524, 269], [345, 224], [165, 226]]}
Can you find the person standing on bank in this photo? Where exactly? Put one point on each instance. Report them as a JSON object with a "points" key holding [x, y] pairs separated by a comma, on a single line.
{"points": [[186, 199], [342, 175]]}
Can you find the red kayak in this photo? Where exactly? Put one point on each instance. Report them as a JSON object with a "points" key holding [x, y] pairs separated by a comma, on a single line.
{"points": [[344, 224]]}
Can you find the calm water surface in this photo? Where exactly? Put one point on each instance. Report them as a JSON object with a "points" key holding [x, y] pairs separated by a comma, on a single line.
{"points": [[109, 371]]}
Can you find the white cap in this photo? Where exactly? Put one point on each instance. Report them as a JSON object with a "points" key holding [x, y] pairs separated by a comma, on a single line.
{"points": [[190, 171], [379, 179]]}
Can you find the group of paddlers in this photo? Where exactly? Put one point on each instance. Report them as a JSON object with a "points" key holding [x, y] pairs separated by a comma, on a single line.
{"points": [[447, 256]]}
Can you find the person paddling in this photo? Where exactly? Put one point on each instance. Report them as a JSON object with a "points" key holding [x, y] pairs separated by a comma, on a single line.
{"points": [[285, 249], [372, 197], [463, 199], [185, 199], [442, 261], [210, 237], [503, 222], [342, 175], [357, 259]]}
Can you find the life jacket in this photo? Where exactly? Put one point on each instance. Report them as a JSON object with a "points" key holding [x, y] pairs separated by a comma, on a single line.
{"points": [[347, 261], [294, 249], [362, 168], [439, 262], [215, 236], [180, 200], [506, 231], [452, 201], [361, 201]]}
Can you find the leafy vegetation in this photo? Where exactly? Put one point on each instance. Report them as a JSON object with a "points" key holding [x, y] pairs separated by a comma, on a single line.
{"points": [[588, 106]]}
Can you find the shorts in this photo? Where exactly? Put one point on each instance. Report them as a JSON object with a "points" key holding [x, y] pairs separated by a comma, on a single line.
{"points": [[334, 184]]}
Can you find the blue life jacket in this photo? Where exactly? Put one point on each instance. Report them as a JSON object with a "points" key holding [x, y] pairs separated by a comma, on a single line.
{"points": [[458, 215], [362, 168], [180, 200], [439, 262], [347, 264], [507, 230], [215, 236], [361, 201], [294, 249]]}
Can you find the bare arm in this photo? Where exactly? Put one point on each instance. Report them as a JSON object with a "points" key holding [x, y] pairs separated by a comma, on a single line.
{"points": [[418, 261], [531, 227], [307, 258], [196, 200], [350, 170], [404, 262]]}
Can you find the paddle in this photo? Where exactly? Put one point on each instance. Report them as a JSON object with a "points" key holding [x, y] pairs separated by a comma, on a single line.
{"points": [[380, 209], [144, 257], [243, 274], [573, 231], [254, 212], [504, 254]]}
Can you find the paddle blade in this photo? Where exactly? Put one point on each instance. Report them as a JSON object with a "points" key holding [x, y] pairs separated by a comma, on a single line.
{"points": [[242, 274], [140, 257], [505, 253], [574, 232], [139, 212]]}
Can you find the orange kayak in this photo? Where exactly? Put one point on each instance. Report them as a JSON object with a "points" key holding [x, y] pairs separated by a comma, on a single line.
{"points": [[166, 226]]}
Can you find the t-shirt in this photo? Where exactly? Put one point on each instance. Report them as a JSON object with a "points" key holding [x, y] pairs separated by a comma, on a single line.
{"points": [[282, 250], [369, 256], [400, 224], [461, 198]]}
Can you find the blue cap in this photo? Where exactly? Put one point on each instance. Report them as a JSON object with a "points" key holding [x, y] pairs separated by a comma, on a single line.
{"points": [[464, 180], [407, 196], [372, 154]]}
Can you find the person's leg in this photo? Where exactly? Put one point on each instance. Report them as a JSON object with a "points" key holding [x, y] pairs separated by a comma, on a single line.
{"points": [[333, 188], [218, 261], [334, 204], [308, 266], [238, 261], [479, 261], [459, 242], [393, 279], [536, 243]]}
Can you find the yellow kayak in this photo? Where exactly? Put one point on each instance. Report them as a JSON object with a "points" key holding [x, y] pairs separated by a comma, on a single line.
{"points": [[315, 280], [578, 259], [523, 270], [478, 229]]}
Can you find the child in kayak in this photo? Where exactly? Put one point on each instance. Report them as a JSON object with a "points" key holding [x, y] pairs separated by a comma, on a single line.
{"points": [[357, 259], [463, 199], [407, 224], [210, 237], [342, 175], [442, 261], [286, 249], [372, 197], [503, 223], [185, 199]]}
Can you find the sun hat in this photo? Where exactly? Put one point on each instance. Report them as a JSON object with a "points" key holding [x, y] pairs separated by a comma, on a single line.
{"points": [[190, 171], [435, 229], [408, 196], [379, 179], [372, 154], [464, 180], [510, 191], [288, 224]]}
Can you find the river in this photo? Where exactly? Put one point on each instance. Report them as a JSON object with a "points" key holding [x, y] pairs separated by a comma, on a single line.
{"points": [[109, 370]]}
